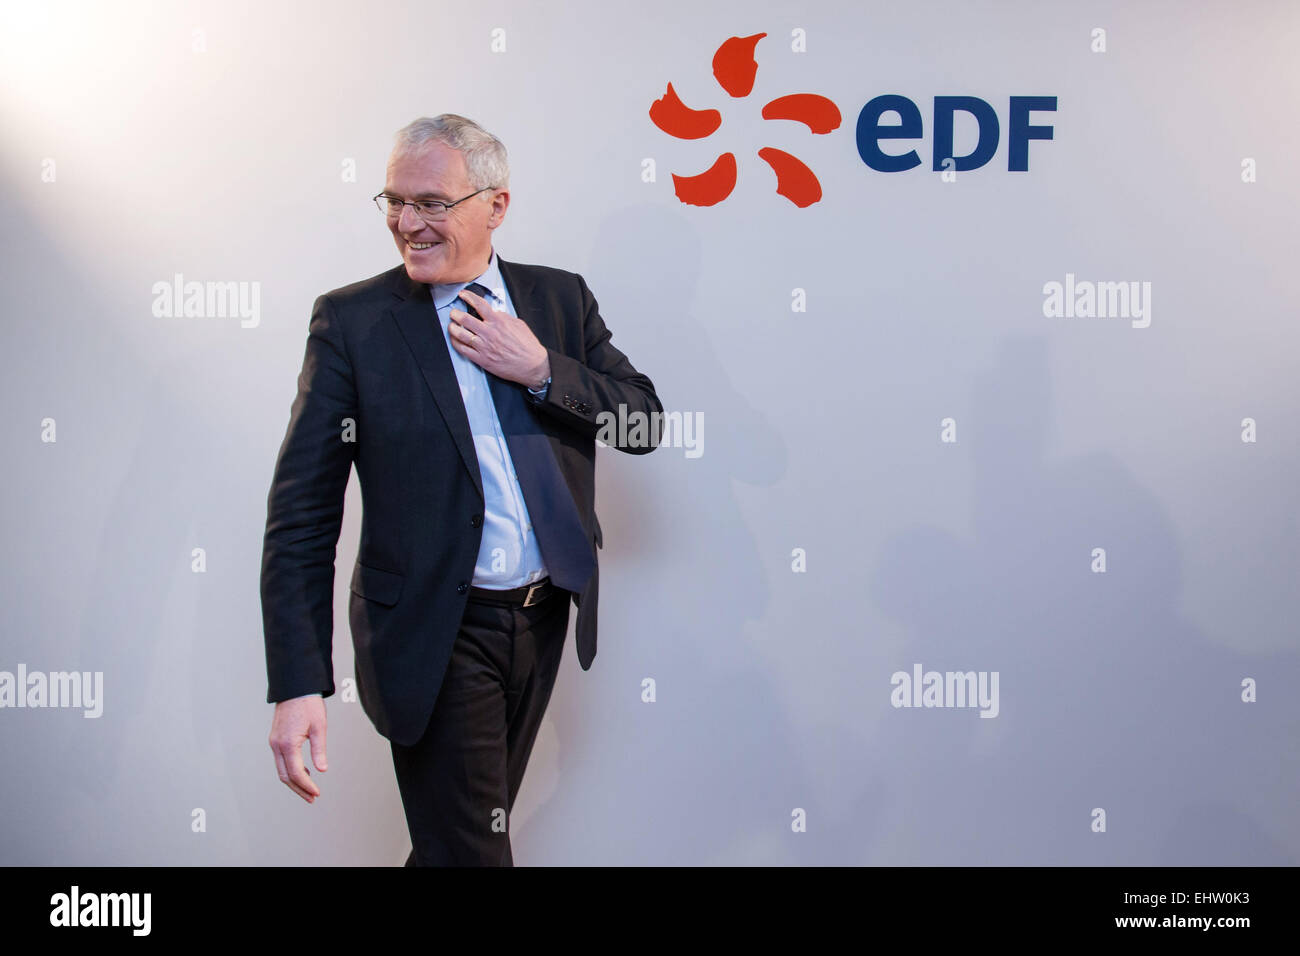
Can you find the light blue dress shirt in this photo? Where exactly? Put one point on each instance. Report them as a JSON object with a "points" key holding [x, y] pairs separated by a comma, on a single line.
{"points": [[509, 556]]}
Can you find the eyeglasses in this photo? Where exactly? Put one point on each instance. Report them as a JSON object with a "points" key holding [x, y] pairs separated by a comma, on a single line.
{"points": [[430, 210]]}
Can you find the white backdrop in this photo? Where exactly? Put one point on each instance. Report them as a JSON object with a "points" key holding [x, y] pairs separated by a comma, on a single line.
{"points": [[905, 463]]}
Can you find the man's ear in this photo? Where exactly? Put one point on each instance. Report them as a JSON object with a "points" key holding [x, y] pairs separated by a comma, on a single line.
{"points": [[500, 202]]}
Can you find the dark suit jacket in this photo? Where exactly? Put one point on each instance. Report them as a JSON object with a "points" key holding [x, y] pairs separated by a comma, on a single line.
{"points": [[376, 356]]}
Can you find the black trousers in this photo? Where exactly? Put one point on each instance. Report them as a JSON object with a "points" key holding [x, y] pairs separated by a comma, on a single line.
{"points": [[458, 782]]}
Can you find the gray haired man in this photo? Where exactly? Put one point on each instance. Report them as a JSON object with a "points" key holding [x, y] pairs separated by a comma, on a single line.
{"points": [[467, 391]]}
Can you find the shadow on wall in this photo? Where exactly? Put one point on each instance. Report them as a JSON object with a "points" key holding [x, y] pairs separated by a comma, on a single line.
{"points": [[698, 777], [1109, 698], [155, 457]]}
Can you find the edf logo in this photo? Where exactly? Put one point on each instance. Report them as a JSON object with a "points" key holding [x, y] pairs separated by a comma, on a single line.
{"points": [[871, 131], [735, 68]]}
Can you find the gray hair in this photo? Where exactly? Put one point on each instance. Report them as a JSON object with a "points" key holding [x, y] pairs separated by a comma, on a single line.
{"points": [[485, 155]]}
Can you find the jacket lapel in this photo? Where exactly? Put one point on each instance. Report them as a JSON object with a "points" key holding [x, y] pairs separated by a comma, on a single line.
{"points": [[526, 304], [417, 319]]}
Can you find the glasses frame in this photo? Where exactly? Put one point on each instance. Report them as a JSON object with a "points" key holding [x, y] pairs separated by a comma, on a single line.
{"points": [[446, 206]]}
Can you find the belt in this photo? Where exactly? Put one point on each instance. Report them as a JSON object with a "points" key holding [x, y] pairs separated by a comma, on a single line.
{"points": [[525, 596]]}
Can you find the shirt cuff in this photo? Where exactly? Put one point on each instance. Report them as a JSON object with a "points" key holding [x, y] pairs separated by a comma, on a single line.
{"points": [[540, 393]]}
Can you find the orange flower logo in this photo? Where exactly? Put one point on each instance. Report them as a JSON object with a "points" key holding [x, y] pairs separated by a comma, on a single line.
{"points": [[735, 68]]}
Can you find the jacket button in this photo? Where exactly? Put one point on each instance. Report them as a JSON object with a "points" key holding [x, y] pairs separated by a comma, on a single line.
{"points": [[475, 521], [462, 588]]}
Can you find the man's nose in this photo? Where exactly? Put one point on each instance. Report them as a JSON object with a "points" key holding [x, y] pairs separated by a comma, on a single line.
{"points": [[409, 220]]}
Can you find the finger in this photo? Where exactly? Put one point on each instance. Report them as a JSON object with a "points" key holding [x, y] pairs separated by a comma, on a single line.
{"points": [[474, 355], [461, 337], [462, 348], [486, 309], [284, 776], [298, 770], [317, 738], [465, 320], [476, 300]]}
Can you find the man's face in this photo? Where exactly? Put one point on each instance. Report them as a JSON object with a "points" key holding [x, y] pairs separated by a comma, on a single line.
{"points": [[459, 247]]}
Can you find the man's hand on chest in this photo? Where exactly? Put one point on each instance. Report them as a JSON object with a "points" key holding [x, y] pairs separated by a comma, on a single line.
{"points": [[499, 343]]}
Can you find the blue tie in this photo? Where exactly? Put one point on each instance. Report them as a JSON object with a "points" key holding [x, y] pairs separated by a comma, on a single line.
{"points": [[565, 546]]}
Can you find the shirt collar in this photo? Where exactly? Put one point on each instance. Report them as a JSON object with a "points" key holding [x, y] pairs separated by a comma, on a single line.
{"points": [[445, 294]]}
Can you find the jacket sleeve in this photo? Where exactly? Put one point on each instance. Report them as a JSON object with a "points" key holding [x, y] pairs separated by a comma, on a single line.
{"points": [[589, 395], [304, 513]]}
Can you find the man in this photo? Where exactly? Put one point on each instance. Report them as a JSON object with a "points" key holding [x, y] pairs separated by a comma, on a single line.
{"points": [[467, 391]]}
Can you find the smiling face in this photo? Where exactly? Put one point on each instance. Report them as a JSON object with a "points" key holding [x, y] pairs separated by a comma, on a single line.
{"points": [[459, 247]]}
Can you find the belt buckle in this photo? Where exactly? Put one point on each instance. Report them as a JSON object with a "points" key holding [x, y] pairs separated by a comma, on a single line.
{"points": [[528, 598]]}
